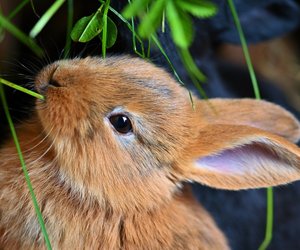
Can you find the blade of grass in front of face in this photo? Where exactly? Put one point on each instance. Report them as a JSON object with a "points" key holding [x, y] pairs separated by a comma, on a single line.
{"points": [[22, 161], [37, 28], [28, 41], [69, 28], [270, 204], [17, 87]]}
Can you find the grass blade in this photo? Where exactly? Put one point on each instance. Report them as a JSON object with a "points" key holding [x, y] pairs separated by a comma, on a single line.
{"points": [[17, 87], [269, 222], [27, 178], [28, 41], [158, 44], [104, 31], [17, 9], [245, 49], [131, 28], [69, 28], [45, 18], [270, 196]]}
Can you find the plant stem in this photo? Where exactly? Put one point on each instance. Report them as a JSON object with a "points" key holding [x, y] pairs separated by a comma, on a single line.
{"points": [[69, 28], [17, 9], [269, 223], [245, 49], [270, 203], [45, 18], [22, 161], [131, 28], [17, 87], [104, 31], [28, 41]]}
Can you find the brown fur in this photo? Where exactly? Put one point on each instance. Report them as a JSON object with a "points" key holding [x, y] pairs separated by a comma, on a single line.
{"points": [[99, 189]]}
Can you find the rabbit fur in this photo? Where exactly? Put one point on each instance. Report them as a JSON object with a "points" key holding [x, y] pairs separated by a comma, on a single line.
{"points": [[100, 189]]}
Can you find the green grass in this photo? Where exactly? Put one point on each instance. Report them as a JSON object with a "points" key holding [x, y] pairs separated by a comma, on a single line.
{"points": [[27, 178], [17, 87], [42, 22], [21, 36], [270, 204]]}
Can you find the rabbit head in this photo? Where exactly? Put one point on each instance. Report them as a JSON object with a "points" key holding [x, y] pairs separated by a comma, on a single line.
{"points": [[125, 133]]}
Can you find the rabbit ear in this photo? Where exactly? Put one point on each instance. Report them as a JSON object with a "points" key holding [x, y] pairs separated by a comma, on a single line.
{"points": [[260, 114], [239, 157]]}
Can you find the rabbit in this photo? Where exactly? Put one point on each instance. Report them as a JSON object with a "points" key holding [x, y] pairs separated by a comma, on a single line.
{"points": [[112, 149]]}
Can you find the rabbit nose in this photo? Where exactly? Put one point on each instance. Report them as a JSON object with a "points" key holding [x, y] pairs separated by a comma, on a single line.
{"points": [[43, 85]]}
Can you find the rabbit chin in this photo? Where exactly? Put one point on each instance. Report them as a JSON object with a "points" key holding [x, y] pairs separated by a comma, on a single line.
{"points": [[97, 176]]}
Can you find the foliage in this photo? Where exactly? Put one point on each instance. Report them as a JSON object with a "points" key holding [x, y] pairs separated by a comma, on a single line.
{"points": [[178, 16]]}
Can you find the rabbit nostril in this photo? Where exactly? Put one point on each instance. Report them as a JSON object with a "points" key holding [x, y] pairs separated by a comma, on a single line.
{"points": [[54, 83]]}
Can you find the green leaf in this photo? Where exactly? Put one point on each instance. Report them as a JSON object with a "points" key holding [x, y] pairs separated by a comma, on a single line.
{"points": [[87, 28], [112, 33], [135, 8], [180, 24], [202, 9], [152, 20]]}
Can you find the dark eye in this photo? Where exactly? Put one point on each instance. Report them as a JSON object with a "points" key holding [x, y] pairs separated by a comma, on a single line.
{"points": [[121, 123]]}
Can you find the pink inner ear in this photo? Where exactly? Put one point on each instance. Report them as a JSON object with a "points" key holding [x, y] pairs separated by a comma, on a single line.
{"points": [[244, 158]]}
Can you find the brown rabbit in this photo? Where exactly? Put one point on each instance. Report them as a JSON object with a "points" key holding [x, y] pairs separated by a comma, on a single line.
{"points": [[109, 151]]}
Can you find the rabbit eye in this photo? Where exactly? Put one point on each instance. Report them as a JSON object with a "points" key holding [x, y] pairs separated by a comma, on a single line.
{"points": [[121, 123]]}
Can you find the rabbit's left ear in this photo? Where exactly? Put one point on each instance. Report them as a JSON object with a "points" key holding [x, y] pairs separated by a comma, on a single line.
{"points": [[254, 113], [239, 157]]}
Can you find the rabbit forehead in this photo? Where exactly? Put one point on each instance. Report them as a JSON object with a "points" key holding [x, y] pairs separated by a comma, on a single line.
{"points": [[114, 70], [100, 86]]}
